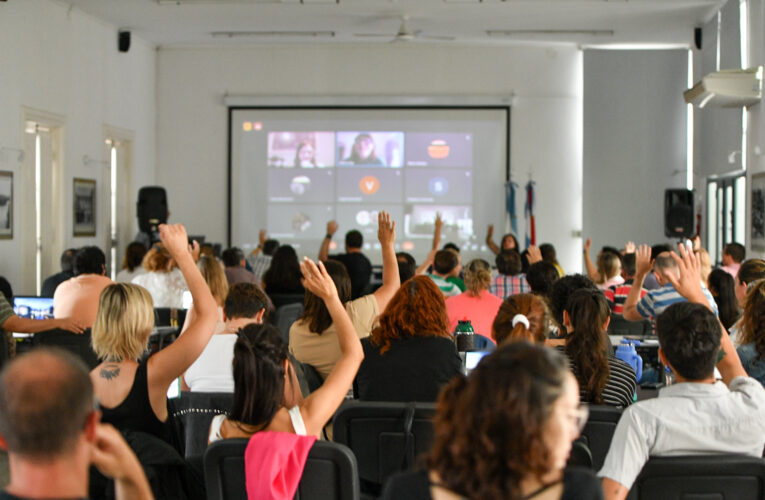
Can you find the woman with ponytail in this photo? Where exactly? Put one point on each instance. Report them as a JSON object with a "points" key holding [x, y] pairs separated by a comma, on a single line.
{"points": [[475, 303], [752, 336], [504, 432], [521, 317], [603, 379], [266, 396]]}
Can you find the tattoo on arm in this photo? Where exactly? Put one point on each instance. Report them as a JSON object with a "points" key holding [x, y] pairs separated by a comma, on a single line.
{"points": [[110, 371]]}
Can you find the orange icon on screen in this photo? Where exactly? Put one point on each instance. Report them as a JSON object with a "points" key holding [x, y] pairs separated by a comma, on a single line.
{"points": [[369, 184], [438, 149], [247, 126]]}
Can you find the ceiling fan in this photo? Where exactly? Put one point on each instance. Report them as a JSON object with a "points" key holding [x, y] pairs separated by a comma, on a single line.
{"points": [[405, 34]]}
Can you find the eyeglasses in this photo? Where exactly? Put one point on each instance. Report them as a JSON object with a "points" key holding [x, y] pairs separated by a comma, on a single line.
{"points": [[579, 416]]}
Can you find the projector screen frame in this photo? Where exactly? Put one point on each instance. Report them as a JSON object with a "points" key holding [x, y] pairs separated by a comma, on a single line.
{"points": [[244, 103]]}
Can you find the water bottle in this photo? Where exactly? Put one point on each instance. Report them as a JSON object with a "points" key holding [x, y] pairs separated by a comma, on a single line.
{"points": [[464, 335], [626, 352]]}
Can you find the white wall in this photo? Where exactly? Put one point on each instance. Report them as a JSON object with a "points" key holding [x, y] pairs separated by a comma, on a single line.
{"points": [[67, 63], [634, 142], [545, 128], [756, 115]]}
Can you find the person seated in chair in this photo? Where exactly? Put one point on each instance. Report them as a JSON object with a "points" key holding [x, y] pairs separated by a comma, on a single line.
{"points": [[410, 355], [358, 265], [211, 372], [696, 415], [67, 271], [52, 433], [617, 294], [236, 272], [77, 298]]}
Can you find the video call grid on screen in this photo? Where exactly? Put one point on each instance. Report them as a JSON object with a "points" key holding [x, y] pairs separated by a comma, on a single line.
{"points": [[293, 170]]}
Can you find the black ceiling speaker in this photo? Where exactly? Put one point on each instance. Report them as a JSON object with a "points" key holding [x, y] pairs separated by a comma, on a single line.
{"points": [[678, 213], [123, 41], [697, 37]]}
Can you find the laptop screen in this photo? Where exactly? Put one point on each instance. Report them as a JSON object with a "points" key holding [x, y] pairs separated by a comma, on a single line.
{"points": [[33, 307]]}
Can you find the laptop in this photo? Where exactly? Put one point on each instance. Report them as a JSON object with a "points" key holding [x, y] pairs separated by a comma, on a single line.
{"points": [[31, 307], [471, 359]]}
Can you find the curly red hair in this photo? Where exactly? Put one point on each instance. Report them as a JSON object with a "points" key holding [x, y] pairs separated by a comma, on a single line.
{"points": [[417, 309]]}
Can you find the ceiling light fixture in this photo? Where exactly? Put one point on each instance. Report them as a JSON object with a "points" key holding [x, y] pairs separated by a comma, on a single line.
{"points": [[543, 32], [273, 34]]}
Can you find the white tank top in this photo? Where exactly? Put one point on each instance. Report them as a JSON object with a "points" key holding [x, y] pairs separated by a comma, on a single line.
{"points": [[295, 417]]}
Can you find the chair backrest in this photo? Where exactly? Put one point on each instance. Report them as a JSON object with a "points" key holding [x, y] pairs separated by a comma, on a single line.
{"points": [[330, 472], [282, 299], [620, 326], [599, 431], [308, 376], [192, 414], [580, 455], [284, 316], [385, 437], [709, 477], [163, 316], [76, 343]]}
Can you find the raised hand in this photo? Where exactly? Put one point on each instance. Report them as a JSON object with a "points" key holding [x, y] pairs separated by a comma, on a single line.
{"points": [[262, 237], [688, 284], [587, 245], [629, 247], [386, 228], [490, 232], [642, 260], [332, 227], [195, 250], [534, 255], [439, 222], [174, 237], [317, 281]]}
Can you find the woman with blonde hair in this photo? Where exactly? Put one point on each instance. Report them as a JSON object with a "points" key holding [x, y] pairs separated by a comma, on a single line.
{"points": [[133, 394], [521, 317], [163, 278], [215, 277], [475, 303]]}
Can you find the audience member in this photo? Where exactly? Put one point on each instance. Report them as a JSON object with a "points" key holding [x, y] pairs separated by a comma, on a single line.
{"points": [[266, 392], [603, 379], [476, 304], [455, 277], [750, 271], [283, 276], [617, 294], [651, 280], [510, 280], [234, 260], [547, 252], [561, 292], [132, 262], [211, 372], [407, 266], [540, 277], [260, 257], [52, 433], [313, 337], [67, 271], [509, 242], [356, 263], [446, 264], [732, 256], [655, 301], [608, 269], [212, 272], [722, 287], [410, 355], [696, 415], [751, 347], [77, 298], [132, 394], [163, 280], [522, 317], [505, 431]]}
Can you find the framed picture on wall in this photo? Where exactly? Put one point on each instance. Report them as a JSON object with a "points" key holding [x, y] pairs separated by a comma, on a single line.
{"points": [[84, 215], [758, 211], [6, 205]]}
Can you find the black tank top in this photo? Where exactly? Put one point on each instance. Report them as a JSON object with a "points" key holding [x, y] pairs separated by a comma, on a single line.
{"points": [[135, 412]]}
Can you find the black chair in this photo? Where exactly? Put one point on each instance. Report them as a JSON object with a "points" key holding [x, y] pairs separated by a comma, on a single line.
{"points": [[284, 316], [580, 455], [599, 431], [308, 376], [168, 316], [330, 472], [621, 326], [192, 414], [282, 299], [385, 437], [710, 477], [76, 343]]}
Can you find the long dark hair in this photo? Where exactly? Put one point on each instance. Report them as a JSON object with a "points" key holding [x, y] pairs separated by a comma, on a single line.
{"points": [[722, 287], [315, 312], [588, 311], [259, 354], [283, 275], [489, 428]]}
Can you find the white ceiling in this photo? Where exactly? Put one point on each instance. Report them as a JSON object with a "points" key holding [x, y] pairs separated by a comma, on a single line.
{"points": [[177, 23]]}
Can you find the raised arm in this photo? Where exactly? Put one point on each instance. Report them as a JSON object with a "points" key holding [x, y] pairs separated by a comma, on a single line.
{"points": [[642, 268], [592, 271], [490, 240], [171, 362], [324, 249], [438, 226], [386, 233], [319, 407], [261, 242], [689, 286], [423, 268]]}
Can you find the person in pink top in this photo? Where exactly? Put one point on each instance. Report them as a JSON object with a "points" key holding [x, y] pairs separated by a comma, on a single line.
{"points": [[77, 298], [476, 303], [732, 257]]}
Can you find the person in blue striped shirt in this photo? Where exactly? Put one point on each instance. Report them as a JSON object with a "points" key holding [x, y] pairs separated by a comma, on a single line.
{"points": [[655, 301]]}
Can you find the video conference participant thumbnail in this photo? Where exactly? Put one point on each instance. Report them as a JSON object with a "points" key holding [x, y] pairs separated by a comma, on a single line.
{"points": [[439, 149], [301, 149], [381, 149]]}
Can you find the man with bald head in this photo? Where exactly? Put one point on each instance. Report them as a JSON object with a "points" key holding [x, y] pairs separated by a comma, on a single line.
{"points": [[51, 431], [656, 301]]}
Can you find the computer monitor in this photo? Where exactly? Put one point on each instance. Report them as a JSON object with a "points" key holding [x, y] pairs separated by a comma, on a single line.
{"points": [[33, 307]]}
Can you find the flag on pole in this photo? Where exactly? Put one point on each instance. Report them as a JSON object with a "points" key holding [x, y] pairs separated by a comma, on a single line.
{"points": [[510, 188], [531, 232]]}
